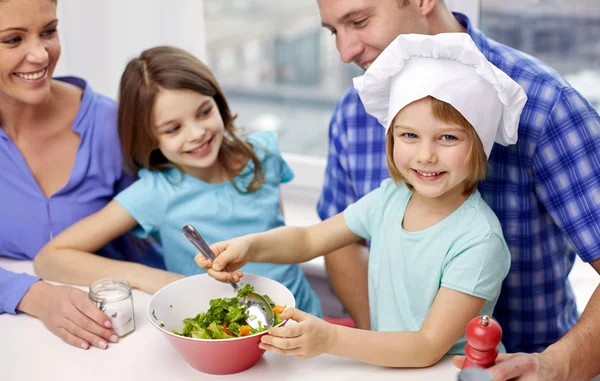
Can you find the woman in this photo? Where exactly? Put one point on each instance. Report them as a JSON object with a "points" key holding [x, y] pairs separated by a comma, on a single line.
{"points": [[59, 162]]}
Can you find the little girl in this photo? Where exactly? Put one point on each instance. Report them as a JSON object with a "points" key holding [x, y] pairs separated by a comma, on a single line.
{"points": [[177, 133], [438, 256]]}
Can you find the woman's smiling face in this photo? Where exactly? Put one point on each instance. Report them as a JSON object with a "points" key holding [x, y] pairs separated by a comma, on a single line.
{"points": [[29, 49]]}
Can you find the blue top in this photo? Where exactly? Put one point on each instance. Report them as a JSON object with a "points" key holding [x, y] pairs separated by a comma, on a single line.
{"points": [[164, 201], [28, 220], [464, 252], [545, 190]]}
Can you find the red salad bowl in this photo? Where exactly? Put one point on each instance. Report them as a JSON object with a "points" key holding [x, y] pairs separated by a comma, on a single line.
{"points": [[189, 296]]}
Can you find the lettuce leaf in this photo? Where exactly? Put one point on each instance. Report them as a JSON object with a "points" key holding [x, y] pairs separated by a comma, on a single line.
{"points": [[224, 315]]}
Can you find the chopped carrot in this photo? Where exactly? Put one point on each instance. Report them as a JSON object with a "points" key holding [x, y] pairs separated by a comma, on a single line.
{"points": [[278, 309], [227, 331], [244, 330]]}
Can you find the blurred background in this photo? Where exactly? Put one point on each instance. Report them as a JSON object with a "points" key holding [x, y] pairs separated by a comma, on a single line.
{"points": [[281, 68], [281, 71]]}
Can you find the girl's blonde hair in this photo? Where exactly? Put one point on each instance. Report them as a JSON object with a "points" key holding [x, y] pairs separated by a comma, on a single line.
{"points": [[476, 157], [171, 68]]}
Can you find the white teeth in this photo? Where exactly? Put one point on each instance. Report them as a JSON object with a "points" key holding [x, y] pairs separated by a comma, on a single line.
{"points": [[428, 174], [32, 76]]}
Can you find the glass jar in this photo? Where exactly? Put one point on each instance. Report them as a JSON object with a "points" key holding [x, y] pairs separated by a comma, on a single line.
{"points": [[113, 297]]}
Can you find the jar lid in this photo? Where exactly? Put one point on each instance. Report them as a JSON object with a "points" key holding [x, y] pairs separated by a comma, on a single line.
{"points": [[109, 290]]}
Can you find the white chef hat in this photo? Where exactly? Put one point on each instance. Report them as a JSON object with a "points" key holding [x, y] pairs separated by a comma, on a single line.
{"points": [[448, 67]]}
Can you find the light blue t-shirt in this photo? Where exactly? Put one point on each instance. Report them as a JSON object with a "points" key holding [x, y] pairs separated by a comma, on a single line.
{"points": [[465, 252], [162, 202]]}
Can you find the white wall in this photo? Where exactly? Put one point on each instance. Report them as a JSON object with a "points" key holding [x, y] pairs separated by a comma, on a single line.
{"points": [[99, 37]]}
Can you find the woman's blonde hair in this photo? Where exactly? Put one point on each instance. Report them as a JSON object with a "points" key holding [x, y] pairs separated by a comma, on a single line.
{"points": [[171, 68], [476, 157]]}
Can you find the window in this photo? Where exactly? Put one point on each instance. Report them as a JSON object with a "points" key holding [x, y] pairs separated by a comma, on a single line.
{"points": [[279, 68]]}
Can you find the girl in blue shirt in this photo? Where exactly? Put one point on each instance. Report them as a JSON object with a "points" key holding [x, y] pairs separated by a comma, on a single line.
{"points": [[437, 255], [178, 134]]}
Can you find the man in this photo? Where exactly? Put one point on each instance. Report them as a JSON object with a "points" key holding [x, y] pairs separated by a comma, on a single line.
{"points": [[545, 190]]}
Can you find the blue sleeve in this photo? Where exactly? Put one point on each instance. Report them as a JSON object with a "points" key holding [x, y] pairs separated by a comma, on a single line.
{"points": [[479, 267], [107, 142], [125, 181], [12, 288], [287, 174], [338, 190], [567, 172], [267, 149], [363, 217], [143, 200]]}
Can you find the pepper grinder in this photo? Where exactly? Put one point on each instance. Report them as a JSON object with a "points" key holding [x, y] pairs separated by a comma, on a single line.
{"points": [[483, 336]]}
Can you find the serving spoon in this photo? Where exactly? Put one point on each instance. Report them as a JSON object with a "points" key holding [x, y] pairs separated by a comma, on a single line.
{"points": [[257, 307]]}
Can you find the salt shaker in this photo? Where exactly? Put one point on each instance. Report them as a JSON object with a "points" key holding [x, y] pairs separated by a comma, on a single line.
{"points": [[113, 297]]}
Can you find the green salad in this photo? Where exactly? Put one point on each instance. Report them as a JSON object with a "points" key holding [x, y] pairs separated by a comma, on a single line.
{"points": [[225, 319]]}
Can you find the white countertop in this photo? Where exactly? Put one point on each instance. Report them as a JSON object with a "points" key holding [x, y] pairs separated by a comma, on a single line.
{"points": [[28, 351]]}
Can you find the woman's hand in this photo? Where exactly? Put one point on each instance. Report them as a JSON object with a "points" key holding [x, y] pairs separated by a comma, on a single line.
{"points": [[231, 256], [69, 314], [309, 338]]}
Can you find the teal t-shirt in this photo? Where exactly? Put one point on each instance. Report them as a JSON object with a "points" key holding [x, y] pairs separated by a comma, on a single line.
{"points": [[162, 202], [465, 252]]}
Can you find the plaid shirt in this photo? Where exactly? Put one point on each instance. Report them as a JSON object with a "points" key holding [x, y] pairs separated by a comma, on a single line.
{"points": [[545, 190]]}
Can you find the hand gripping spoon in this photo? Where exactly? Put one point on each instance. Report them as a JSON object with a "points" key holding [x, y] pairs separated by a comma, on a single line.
{"points": [[257, 307]]}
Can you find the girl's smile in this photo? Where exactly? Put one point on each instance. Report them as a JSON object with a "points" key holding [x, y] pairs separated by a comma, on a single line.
{"points": [[202, 150], [428, 176]]}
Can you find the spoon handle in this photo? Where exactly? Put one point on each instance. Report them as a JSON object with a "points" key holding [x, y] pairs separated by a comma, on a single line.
{"points": [[196, 239]]}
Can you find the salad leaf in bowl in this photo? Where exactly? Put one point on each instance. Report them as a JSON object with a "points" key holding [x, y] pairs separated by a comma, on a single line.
{"points": [[226, 319]]}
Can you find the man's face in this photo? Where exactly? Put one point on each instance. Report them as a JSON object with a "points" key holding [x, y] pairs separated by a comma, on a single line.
{"points": [[364, 28]]}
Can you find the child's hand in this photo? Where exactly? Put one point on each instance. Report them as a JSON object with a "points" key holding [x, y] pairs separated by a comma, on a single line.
{"points": [[309, 338], [231, 255]]}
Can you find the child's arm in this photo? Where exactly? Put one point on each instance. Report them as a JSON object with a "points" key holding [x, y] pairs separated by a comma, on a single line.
{"points": [[447, 319], [288, 244], [68, 257]]}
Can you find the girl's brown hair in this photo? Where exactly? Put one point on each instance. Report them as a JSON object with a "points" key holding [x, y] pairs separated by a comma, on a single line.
{"points": [[476, 157], [171, 68]]}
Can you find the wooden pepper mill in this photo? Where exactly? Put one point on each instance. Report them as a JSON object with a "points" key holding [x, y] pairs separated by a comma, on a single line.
{"points": [[483, 336]]}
